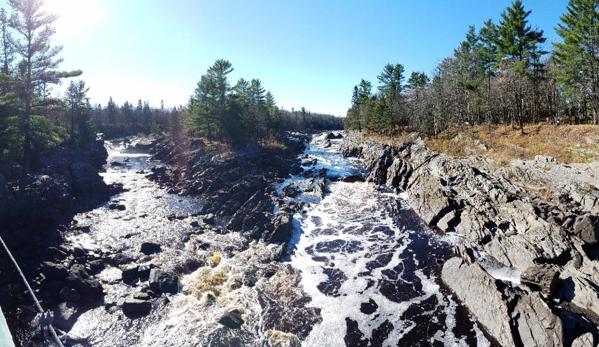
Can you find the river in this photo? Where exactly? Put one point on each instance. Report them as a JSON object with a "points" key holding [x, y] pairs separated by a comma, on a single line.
{"points": [[361, 270]]}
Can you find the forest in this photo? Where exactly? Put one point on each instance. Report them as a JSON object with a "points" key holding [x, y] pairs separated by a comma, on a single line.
{"points": [[502, 73], [33, 119]]}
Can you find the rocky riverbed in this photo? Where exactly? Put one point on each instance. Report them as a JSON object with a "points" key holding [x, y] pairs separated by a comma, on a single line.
{"points": [[528, 264]]}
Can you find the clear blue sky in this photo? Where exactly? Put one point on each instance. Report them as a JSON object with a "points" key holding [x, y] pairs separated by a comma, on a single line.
{"points": [[307, 53]]}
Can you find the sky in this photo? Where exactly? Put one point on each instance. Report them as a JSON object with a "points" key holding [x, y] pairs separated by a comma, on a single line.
{"points": [[307, 53]]}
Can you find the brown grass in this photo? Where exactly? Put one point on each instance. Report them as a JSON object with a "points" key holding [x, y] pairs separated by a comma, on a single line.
{"points": [[567, 143]]}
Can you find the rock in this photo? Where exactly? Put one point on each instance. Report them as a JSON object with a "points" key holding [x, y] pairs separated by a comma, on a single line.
{"points": [[144, 271], [163, 282], [88, 184], [585, 340], [282, 223], [130, 274], [232, 319], [82, 282], [119, 207], [54, 271], [579, 289], [477, 289], [69, 294], [542, 277], [134, 308], [65, 315], [208, 219], [427, 198], [446, 221], [399, 173], [195, 224], [378, 167], [148, 248], [537, 325], [587, 228]]}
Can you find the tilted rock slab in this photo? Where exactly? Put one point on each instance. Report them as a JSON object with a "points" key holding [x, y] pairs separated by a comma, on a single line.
{"points": [[530, 322], [477, 289]]}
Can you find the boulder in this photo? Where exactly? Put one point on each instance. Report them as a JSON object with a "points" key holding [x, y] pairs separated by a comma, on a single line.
{"points": [[148, 248], [232, 319], [477, 289], [82, 282], [543, 277], [587, 228], [65, 315], [119, 207], [134, 308], [130, 273], [53, 271], [585, 340], [537, 325], [208, 219], [163, 282]]}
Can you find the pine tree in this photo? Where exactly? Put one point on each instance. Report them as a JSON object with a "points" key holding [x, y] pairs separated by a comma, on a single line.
{"points": [[37, 69], [518, 50], [81, 128], [578, 55]]}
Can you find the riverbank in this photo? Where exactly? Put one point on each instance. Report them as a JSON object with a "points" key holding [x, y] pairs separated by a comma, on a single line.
{"points": [[535, 220]]}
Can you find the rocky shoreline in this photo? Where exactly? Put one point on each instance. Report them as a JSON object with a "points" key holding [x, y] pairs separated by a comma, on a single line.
{"points": [[537, 218], [238, 196]]}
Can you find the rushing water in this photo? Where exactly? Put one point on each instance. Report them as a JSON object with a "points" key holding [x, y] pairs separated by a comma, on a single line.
{"points": [[362, 269]]}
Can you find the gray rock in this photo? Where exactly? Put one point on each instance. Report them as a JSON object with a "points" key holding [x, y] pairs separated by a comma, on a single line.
{"points": [[542, 276], [378, 167], [427, 197], [163, 282], [537, 325], [477, 289], [447, 221], [282, 230], [585, 340], [587, 228], [579, 289], [399, 173], [232, 319], [136, 308]]}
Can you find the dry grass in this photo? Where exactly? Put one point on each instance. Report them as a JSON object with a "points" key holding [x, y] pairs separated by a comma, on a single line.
{"points": [[567, 143]]}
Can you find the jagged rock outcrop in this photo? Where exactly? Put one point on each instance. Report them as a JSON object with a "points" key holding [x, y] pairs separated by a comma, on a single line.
{"points": [[499, 210], [235, 184], [477, 289]]}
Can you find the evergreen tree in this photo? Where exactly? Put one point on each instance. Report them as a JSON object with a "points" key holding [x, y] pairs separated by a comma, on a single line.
{"points": [[81, 127], [37, 69], [518, 50], [578, 55]]}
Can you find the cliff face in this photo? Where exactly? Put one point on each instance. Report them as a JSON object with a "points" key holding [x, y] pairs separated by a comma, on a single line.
{"points": [[537, 217]]}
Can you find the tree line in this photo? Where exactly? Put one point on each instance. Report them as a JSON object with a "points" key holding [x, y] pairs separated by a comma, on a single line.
{"points": [[33, 120], [500, 74]]}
